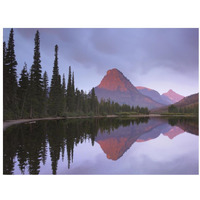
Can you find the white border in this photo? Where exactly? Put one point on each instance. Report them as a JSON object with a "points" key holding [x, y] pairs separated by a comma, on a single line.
{"points": [[104, 13]]}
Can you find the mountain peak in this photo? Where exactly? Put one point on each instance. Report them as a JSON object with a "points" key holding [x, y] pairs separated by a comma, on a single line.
{"points": [[171, 91], [116, 87], [155, 95], [114, 70], [173, 96], [114, 80]]}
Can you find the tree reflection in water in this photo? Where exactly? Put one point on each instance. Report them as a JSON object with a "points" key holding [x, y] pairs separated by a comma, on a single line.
{"points": [[28, 143]]}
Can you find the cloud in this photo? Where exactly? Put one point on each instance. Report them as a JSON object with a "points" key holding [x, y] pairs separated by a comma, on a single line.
{"points": [[135, 52]]}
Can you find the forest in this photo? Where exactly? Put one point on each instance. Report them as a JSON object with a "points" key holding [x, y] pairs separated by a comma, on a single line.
{"points": [[172, 109], [29, 95]]}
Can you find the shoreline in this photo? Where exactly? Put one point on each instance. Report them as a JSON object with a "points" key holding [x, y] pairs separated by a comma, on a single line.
{"points": [[9, 123]]}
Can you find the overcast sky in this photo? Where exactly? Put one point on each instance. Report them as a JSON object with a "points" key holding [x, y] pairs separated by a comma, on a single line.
{"points": [[160, 59]]}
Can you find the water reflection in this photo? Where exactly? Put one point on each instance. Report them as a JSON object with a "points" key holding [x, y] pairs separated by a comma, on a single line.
{"points": [[28, 144]]}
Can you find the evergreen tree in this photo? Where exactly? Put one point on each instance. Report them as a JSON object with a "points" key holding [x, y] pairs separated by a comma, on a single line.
{"points": [[64, 85], [82, 103], [23, 92], [36, 80], [63, 94], [31, 94], [10, 88], [70, 92], [55, 95], [5, 78], [137, 109], [132, 109], [4, 53], [73, 87], [79, 101], [69, 80], [45, 92], [172, 109], [146, 110], [73, 94], [94, 102]]}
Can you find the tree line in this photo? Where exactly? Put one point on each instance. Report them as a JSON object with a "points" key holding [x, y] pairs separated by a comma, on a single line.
{"points": [[31, 97], [193, 109]]}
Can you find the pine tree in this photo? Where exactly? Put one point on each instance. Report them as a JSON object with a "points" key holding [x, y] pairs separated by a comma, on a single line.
{"points": [[172, 109], [55, 95], [68, 97], [63, 94], [77, 101], [73, 94], [23, 92], [31, 94], [45, 92], [10, 88], [70, 92], [94, 102], [5, 78], [36, 80], [82, 102], [73, 87], [64, 85]]}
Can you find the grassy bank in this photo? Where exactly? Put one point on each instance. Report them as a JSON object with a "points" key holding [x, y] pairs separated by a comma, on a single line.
{"points": [[129, 115], [179, 114]]}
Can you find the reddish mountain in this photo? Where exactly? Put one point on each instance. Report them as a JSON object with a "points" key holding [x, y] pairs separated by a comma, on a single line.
{"points": [[115, 80], [114, 148], [118, 141], [173, 132], [153, 94], [116, 87], [143, 88], [173, 96]]}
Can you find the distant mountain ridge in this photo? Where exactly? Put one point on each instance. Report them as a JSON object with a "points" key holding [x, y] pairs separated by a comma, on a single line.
{"points": [[116, 87], [173, 96], [189, 101], [154, 95]]}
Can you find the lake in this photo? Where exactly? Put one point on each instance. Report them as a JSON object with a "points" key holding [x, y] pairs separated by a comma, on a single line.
{"points": [[103, 146]]}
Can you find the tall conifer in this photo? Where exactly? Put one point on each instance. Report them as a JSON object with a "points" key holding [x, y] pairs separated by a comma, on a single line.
{"points": [[10, 88], [73, 87], [5, 78], [36, 79], [23, 92], [73, 94], [55, 96], [45, 92], [69, 91], [94, 102], [64, 94]]}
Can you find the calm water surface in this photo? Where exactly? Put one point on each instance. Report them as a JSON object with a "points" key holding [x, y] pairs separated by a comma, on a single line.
{"points": [[103, 146]]}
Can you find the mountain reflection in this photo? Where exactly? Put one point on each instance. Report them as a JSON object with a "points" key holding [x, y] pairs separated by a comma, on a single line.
{"points": [[27, 145]]}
